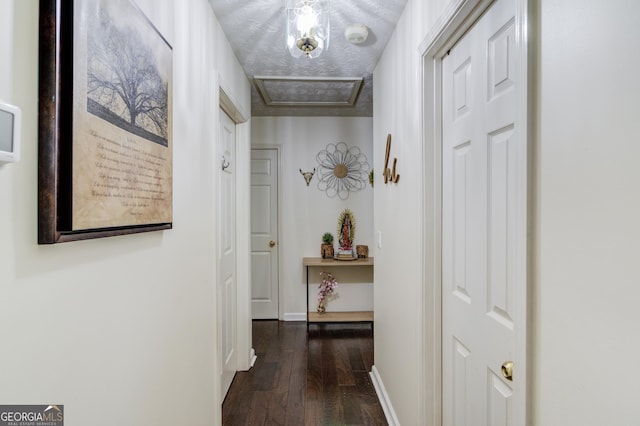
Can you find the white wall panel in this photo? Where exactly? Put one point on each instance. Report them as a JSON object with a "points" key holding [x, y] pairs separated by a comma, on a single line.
{"points": [[461, 372], [131, 319], [460, 220], [261, 289], [498, 400], [587, 229], [398, 210], [501, 203], [260, 196]]}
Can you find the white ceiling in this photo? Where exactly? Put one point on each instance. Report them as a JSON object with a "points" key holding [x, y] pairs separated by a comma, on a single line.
{"points": [[256, 30]]}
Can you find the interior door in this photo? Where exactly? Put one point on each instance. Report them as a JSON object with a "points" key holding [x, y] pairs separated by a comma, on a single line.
{"points": [[227, 292], [483, 186], [264, 233]]}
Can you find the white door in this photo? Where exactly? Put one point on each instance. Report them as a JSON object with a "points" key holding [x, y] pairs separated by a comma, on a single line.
{"points": [[483, 209], [227, 252], [264, 233]]}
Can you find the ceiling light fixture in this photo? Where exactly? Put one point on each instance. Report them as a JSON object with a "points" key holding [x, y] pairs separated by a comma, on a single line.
{"points": [[307, 27]]}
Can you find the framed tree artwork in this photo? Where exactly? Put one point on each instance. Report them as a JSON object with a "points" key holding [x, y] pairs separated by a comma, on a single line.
{"points": [[105, 122]]}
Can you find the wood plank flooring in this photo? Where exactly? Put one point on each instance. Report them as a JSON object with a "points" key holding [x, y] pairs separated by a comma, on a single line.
{"points": [[320, 380]]}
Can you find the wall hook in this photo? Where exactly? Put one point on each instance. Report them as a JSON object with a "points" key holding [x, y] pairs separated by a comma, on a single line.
{"points": [[225, 164]]}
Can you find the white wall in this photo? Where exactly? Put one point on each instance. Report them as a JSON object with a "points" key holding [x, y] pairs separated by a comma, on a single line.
{"points": [[587, 321], [306, 212], [584, 287], [6, 48], [397, 110], [119, 330]]}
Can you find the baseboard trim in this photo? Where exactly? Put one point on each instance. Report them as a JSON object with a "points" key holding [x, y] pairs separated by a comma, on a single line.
{"points": [[294, 316], [252, 358], [383, 397]]}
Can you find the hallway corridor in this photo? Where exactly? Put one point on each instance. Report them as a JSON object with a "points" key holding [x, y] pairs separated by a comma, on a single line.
{"points": [[322, 380]]}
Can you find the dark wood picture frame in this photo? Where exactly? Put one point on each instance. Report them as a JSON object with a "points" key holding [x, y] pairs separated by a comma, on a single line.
{"points": [[55, 133]]}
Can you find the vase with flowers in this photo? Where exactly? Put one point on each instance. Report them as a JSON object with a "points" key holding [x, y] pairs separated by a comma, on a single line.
{"points": [[327, 290]]}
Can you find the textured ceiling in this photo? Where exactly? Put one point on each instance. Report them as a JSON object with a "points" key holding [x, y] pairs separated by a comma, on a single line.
{"points": [[256, 30]]}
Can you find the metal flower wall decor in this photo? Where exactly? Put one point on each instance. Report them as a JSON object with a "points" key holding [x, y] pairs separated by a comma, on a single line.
{"points": [[341, 169]]}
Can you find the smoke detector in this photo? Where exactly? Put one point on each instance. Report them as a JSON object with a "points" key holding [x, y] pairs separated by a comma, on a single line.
{"points": [[356, 33]]}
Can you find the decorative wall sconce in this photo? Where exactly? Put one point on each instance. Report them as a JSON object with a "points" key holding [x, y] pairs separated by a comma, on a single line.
{"points": [[307, 175]]}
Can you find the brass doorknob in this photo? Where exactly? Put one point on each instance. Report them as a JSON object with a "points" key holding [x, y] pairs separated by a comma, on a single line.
{"points": [[272, 243], [507, 370]]}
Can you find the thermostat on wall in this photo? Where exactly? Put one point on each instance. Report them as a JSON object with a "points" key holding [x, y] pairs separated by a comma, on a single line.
{"points": [[10, 125]]}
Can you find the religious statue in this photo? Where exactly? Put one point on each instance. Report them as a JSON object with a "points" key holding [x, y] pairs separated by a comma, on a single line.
{"points": [[346, 232], [345, 239]]}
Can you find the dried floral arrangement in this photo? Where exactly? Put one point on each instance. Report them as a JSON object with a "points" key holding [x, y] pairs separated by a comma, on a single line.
{"points": [[327, 290]]}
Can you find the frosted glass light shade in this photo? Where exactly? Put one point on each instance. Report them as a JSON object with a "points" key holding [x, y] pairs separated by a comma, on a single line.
{"points": [[307, 27]]}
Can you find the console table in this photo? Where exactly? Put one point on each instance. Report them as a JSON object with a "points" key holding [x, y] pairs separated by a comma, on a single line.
{"points": [[352, 316]]}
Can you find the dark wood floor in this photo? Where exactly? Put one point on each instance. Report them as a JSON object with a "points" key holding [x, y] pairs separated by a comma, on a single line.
{"points": [[319, 380]]}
